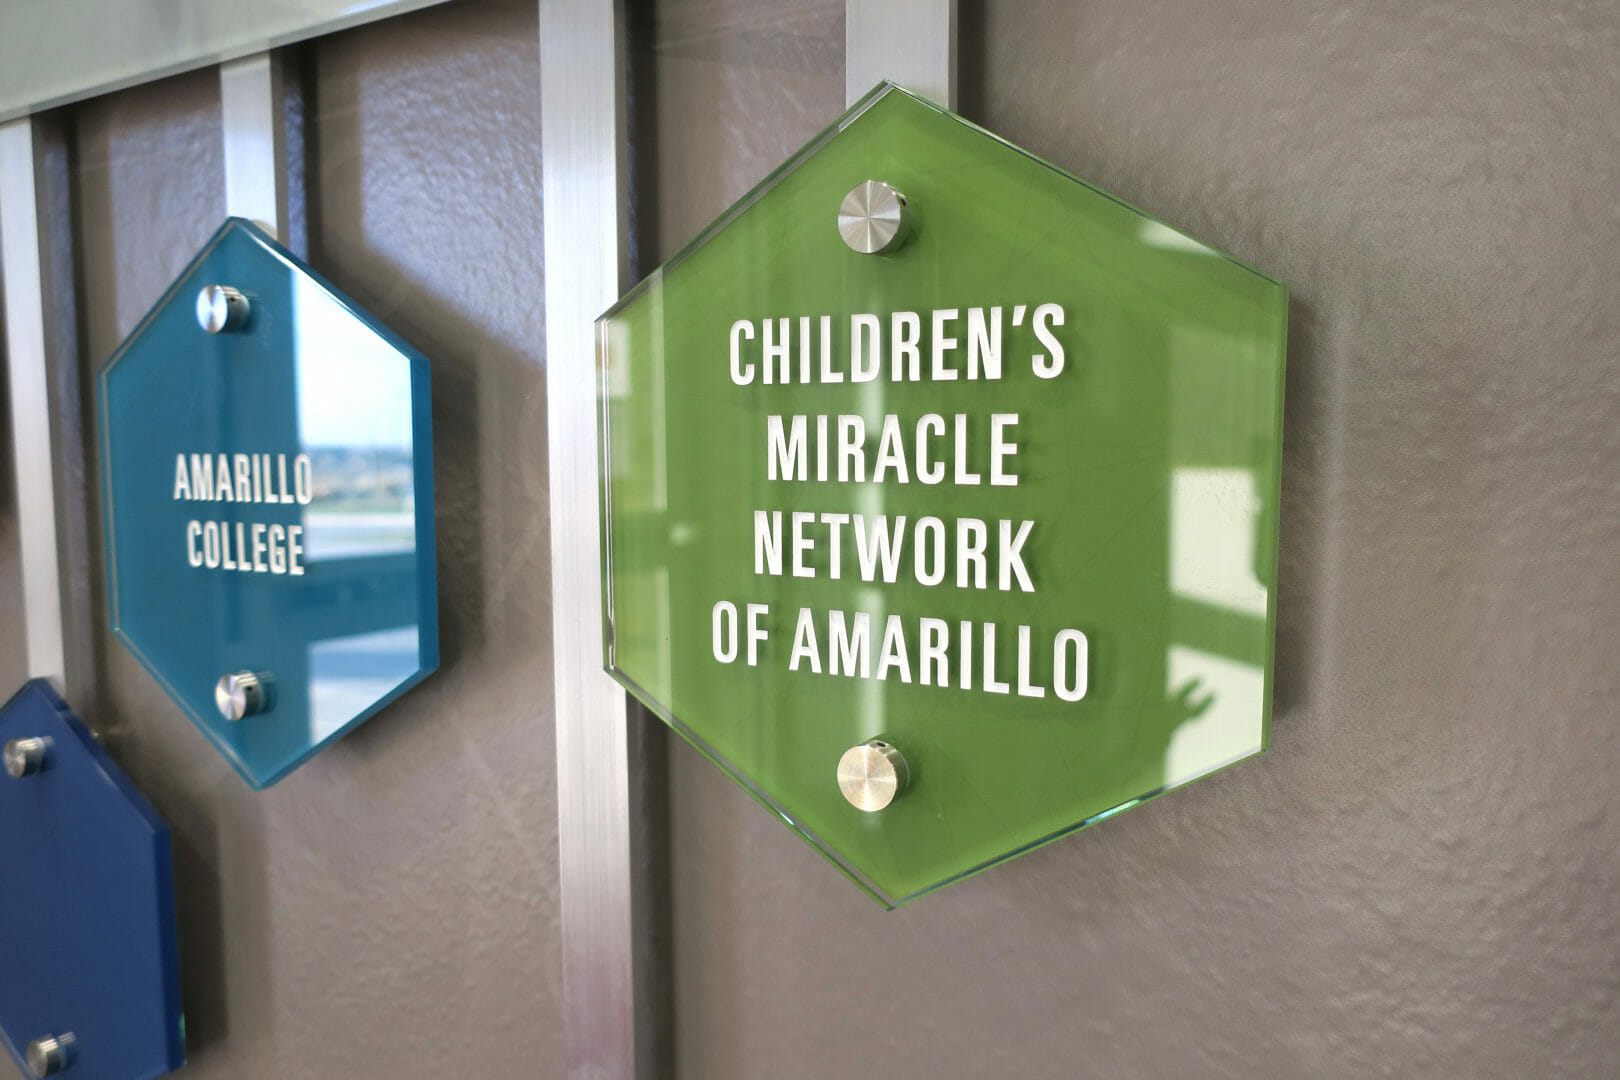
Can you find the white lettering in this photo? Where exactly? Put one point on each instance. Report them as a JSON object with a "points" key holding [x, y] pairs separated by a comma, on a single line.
{"points": [[777, 344], [865, 348], [892, 653], [804, 643], [879, 544], [929, 564], [740, 375], [303, 479], [1024, 687], [943, 344], [891, 452], [1061, 645], [933, 666], [1010, 558], [1001, 449], [802, 544], [984, 343], [905, 331], [756, 632], [1047, 316], [850, 644], [768, 542], [723, 631], [785, 455]]}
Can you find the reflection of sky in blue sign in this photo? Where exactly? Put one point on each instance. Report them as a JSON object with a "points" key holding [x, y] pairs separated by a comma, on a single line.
{"points": [[355, 392], [354, 420], [347, 674]]}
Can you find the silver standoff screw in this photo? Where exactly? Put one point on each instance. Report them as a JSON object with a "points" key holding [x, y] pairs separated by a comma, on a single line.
{"points": [[25, 757], [239, 695], [872, 775], [221, 308], [50, 1055], [872, 218]]}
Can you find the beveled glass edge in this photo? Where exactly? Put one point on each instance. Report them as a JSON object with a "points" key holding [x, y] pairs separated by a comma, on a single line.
{"points": [[853, 872], [1110, 196], [427, 638], [1094, 819], [809, 836], [115, 773], [744, 781], [848, 117], [754, 194], [104, 458], [1274, 530], [604, 491], [254, 780]]}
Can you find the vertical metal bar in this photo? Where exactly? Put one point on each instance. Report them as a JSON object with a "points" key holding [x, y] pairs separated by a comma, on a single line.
{"points": [[250, 98], [909, 42], [29, 381], [582, 131]]}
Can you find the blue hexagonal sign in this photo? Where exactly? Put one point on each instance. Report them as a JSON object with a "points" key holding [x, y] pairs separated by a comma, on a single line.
{"points": [[267, 470], [90, 986]]}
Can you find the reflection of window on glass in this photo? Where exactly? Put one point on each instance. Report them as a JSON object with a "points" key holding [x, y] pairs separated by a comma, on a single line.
{"points": [[1215, 518], [354, 422], [347, 674]]}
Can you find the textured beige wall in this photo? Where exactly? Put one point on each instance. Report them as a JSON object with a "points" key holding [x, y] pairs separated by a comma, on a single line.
{"points": [[1419, 879], [391, 908], [1416, 881]]}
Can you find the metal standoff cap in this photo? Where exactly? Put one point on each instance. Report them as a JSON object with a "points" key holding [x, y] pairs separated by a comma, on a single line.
{"points": [[50, 1055], [872, 218], [25, 757], [240, 694], [221, 308], [872, 774]]}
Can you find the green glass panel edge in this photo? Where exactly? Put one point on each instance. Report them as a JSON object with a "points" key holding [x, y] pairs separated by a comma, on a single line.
{"points": [[881, 90], [871, 888]]}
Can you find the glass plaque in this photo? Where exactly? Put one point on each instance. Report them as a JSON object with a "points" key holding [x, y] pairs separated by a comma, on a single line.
{"points": [[90, 982], [268, 469], [940, 498]]}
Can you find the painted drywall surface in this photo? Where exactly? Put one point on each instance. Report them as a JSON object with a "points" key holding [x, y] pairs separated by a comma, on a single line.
{"points": [[1418, 880], [1415, 882], [133, 190], [718, 69], [391, 908]]}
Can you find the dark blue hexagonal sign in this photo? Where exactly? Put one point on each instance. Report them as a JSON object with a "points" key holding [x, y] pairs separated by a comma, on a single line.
{"points": [[267, 470], [90, 986]]}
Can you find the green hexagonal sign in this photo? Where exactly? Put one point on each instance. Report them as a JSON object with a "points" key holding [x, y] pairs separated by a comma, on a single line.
{"points": [[940, 497]]}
